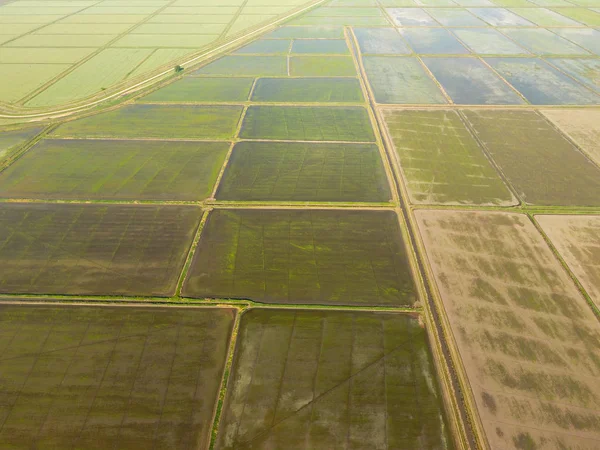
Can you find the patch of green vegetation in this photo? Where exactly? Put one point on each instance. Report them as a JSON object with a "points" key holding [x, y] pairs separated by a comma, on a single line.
{"points": [[132, 377], [337, 257], [124, 170], [307, 123], [310, 90], [322, 46], [322, 66], [246, 65], [266, 47], [201, 89], [326, 378], [298, 171], [323, 32], [157, 121], [94, 249], [582, 15]]}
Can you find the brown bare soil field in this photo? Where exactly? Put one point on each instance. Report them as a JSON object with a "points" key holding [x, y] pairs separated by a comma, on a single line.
{"points": [[582, 125], [577, 239], [529, 343]]}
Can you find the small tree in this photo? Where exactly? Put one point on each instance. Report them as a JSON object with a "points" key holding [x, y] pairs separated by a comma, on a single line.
{"points": [[178, 68]]}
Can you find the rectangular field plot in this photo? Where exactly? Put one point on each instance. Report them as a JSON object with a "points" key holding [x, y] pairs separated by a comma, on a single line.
{"points": [[154, 121], [583, 15], [584, 70], [411, 17], [97, 377], [540, 163], [499, 17], [401, 80], [298, 171], [18, 80], [246, 65], [201, 89], [307, 123], [124, 170], [542, 84], [528, 341], [42, 55], [306, 32], [322, 66], [577, 239], [453, 17], [581, 125], [308, 90], [435, 41], [441, 162], [487, 41], [587, 38], [94, 249], [320, 46], [266, 47], [12, 140], [380, 41], [333, 257], [543, 42], [544, 17], [322, 380], [468, 81]]}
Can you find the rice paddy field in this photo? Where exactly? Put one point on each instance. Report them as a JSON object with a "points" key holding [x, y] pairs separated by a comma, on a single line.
{"points": [[349, 224]]}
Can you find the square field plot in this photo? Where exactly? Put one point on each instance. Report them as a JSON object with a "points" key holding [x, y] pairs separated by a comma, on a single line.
{"points": [[98, 377], [299, 171], [322, 380], [401, 80], [334, 257], [307, 123], [380, 41], [540, 163], [155, 121], [581, 125], [542, 84], [123, 170], [441, 161], [200, 89], [308, 90], [94, 249], [577, 239], [529, 342], [468, 81], [10, 141]]}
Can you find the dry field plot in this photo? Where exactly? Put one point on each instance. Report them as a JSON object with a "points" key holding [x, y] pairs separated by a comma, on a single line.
{"points": [[118, 170], [299, 171], [332, 380], [441, 162], [110, 377], [577, 239], [94, 249], [303, 256], [528, 341]]}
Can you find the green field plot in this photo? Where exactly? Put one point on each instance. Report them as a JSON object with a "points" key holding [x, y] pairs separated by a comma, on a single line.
{"points": [[266, 47], [62, 40], [401, 80], [468, 81], [299, 90], [94, 249], [411, 17], [499, 17], [577, 239], [453, 17], [540, 163], [112, 29], [124, 170], [380, 41], [93, 377], [323, 46], [103, 70], [245, 65], [201, 89], [433, 41], [43, 55], [104, 18], [583, 15], [336, 11], [542, 84], [159, 57], [353, 21], [337, 257], [528, 341], [487, 41], [298, 171], [157, 121], [441, 162], [581, 125], [307, 32], [584, 70], [543, 42], [18, 80], [322, 66], [322, 380], [544, 17], [587, 38], [179, 29], [192, 41], [307, 123], [10, 141], [197, 19]]}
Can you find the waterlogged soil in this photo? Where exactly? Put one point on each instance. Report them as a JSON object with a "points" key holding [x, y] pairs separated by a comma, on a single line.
{"points": [[335, 257], [577, 239], [94, 249], [110, 377], [441, 162], [529, 343], [322, 380]]}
